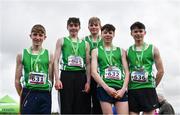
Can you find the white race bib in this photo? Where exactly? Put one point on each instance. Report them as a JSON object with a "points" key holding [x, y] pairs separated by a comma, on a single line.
{"points": [[75, 61], [113, 73], [37, 78], [139, 76]]}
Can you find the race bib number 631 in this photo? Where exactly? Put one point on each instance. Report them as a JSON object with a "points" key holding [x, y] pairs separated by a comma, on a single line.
{"points": [[37, 78]]}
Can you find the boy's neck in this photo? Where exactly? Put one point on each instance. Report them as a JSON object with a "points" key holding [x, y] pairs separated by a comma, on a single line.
{"points": [[107, 45], [36, 49], [74, 38], [94, 36], [139, 43]]}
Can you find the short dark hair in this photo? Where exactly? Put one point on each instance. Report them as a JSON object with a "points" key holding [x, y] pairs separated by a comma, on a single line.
{"points": [[108, 27], [73, 20], [138, 25]]}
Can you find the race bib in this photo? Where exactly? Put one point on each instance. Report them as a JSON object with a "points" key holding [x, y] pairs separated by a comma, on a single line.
{"points": [[75, 61], [37, 78], [113, 73], [139, 76]]}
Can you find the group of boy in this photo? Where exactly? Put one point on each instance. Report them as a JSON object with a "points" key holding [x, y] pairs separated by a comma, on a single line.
{"points": [[93, 75]]}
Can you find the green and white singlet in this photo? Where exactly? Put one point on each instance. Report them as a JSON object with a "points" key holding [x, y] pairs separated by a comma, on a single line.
{"points": [[36, 76], [92, 44], [110, 66], [141, 67], [73, 55]]}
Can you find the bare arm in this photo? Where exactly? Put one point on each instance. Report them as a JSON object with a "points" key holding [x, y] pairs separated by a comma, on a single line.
{"points": [[87, 85], [126, 80], [88, 63], [18, 74], [159, 66], [126, 70], [51, 73], [58, 84]]}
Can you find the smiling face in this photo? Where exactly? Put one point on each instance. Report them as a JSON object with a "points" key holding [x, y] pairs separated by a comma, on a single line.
{"points": [[108, 33], [73, 26], [94, 28], [37, 38], [94, 25], [138, 34], [107, 36], [138, 31], [73, 29], [38, 35]]}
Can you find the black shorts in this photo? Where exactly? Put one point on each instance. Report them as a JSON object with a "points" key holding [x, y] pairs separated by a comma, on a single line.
{"points": [[104, 96], [142, 100], [35, 101]]}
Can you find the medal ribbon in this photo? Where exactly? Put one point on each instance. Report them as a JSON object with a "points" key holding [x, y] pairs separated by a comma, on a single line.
{"points": [[37, 58], [139, 57], [75, 50], [109, 58], [91, 40]]}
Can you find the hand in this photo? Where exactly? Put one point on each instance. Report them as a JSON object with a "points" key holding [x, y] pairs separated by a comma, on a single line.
{"points": [[58, 85], [119, 93], [87, 87], [111, 91]]}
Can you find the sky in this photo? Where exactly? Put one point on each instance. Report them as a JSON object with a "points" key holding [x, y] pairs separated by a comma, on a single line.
{"points": [[161, 18]]}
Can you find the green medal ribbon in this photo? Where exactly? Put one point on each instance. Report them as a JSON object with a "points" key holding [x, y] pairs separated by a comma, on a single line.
{"points": [[140, 57], [97, 41], [109, 58], [75, 50], [35, 66]]}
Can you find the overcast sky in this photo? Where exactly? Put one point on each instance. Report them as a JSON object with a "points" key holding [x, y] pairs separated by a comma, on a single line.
{"points": [[161, 17]]}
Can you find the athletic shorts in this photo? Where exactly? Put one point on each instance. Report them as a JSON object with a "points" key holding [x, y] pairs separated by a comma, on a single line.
{"points": [[142, 100], [104, 96], [35, 101]]}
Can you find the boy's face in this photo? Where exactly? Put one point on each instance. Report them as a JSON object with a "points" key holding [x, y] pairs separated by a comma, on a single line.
{"points": [[73, 29], [94, 28], [138, 34], [107, 36], [37, 38]]}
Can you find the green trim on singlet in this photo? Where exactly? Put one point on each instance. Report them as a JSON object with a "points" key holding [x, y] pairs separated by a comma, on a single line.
{"points": [[67, 50], [92, 44], [116, 61], [147, 63], [30, 64]]}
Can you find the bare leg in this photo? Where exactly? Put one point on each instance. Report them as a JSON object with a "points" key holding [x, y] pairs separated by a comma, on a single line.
{"points": [[122, 108], [133, 113], [106, 108]]}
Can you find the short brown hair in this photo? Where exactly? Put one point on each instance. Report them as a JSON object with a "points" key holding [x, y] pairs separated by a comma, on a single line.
{"points": [[94, 20], [38, 28]]}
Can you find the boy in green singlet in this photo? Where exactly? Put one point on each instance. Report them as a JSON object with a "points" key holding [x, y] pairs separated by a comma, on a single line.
{"points": [[94, 40], [34, 67], [109, 68], [141, 57], [74, 82]]}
